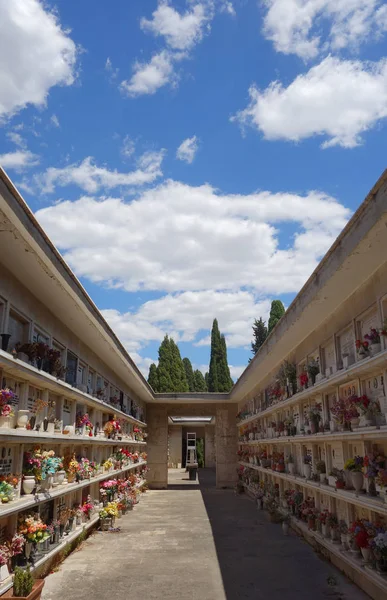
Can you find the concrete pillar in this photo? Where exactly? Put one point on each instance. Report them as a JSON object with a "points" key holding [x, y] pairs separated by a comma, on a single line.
{"points": [[209, 447], [226, 445], [157, 447], [175, 446]]}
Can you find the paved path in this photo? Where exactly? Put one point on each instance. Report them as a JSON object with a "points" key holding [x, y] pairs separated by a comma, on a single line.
{"points": [[193, 542]]}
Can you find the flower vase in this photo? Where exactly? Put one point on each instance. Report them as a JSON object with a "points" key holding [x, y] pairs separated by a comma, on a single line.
{"points": [[5, 422], [59, 477], [291, 468], [333, 534], [381, 566], [311, 524], [4, 572], [307, 471], [28, 549], [375, 349], [348, 480], [357, 480], [355, 423], [29, 484], [344, 540], [366, 554], [322, 477], [324, 529], [22, 418]]}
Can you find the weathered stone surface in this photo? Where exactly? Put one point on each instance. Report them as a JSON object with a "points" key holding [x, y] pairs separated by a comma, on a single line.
{"points": [[197, 543]]}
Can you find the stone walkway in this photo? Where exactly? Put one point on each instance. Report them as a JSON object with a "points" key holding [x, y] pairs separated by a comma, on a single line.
{"points": [[194, 542]]}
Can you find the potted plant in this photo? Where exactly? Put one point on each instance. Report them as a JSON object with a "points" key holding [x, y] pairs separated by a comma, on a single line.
{"points": [[379, 548], [343, 529], [6, 412], [355, 467], [315, 418], [290, 463], [313, 369], [373, 337], [323, 518], [333, 525], [362, 349], [321, 470], [285, 524], [307, 466], [24, 586]]}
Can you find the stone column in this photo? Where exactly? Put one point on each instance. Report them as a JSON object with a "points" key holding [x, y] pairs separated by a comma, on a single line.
{"points": [[157, 446], [209, 447], [226, 445], [175, 446]]}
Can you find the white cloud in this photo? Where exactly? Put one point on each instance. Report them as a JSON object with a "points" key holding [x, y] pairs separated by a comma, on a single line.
{"points": [[337, 98], [236, 371], [128, 147], [16, 138], [19, 160], [91, 178], [187, 315], [149, 77], [305, 27], [54, 121], [181, 31], [112, 71], [177, 237], [187, 149], [35, 54]]}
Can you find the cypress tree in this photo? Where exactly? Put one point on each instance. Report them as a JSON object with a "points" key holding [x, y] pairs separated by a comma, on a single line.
{"points": [[189, 374], [206, 380], [199, 382], [225, 381], [219, 379], [164, 369], [259, 333], [276, 311], [215, 357], [153, 379], [177, 372]]}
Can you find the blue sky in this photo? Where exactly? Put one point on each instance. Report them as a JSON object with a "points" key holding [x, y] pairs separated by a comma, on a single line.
{"points": [[192, 159]]}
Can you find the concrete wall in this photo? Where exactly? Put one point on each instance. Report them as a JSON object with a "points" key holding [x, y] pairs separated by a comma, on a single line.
{"points": [[175, 446], [225, 434], [20, 299], [209, 447]]}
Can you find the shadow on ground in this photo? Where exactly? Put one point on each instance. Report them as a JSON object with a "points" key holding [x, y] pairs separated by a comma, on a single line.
{"points": [[256, 561]]}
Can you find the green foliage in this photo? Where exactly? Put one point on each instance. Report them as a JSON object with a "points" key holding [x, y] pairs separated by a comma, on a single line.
{"points": [[219, 379], [200, 452], [206, 379], [169, 375], [189, 374], [259, 334], [276, 311], [199, 382], [23, 582], [153, 379]]}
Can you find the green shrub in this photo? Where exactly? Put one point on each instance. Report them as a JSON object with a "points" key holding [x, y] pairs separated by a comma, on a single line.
{"points": [[23, 582]]}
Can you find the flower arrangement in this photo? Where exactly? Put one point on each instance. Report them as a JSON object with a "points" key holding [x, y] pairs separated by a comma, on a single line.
{"points": [[332, 521], [307, 459], [303, 378], [6, 395], [354, 464], [362, 346], [50, 463], [313, 368], [83, 420], [16, 545], [33, 529], [5, 554], [373, 337], [6, 492], [381, 478], [314, 413], [108, 464], [109, 511], [339, 411], [72, 467], [379, 544], [87, 508], [373, 464], [320, 466], [32, 463], [323, 517]]}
